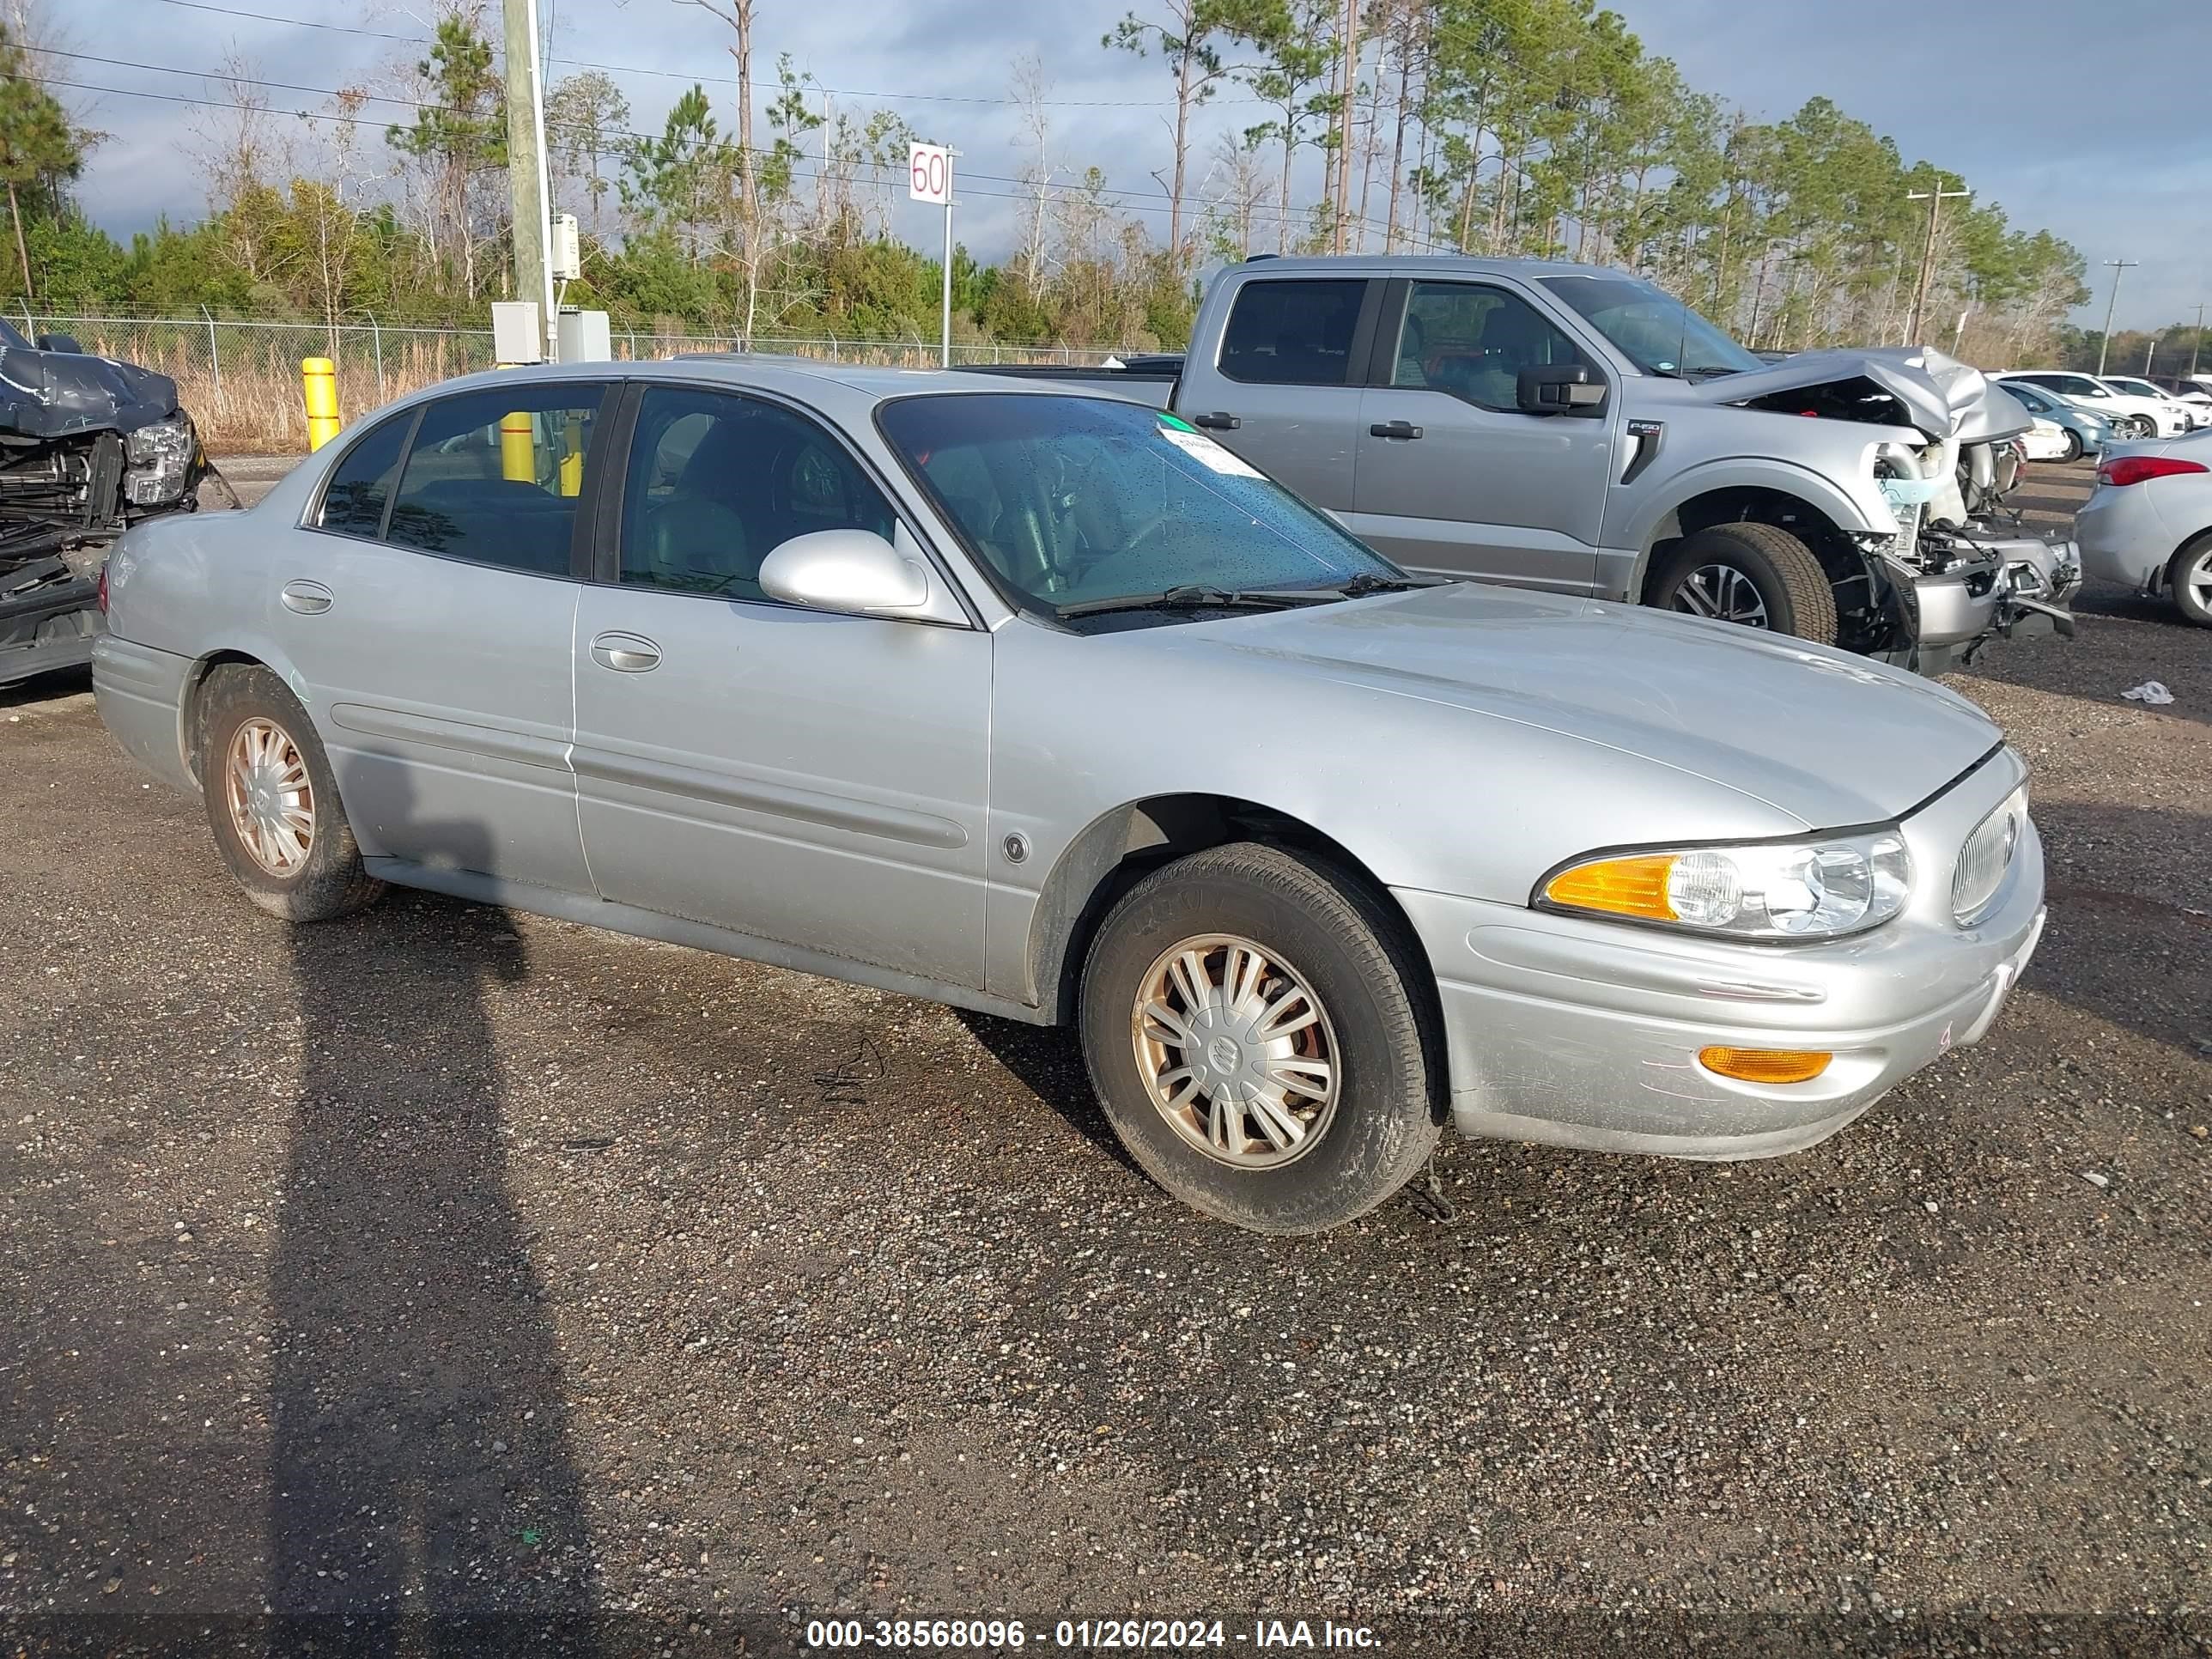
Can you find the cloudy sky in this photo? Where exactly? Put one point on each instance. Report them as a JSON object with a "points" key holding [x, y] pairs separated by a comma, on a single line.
{"points": [[2014, 97]]}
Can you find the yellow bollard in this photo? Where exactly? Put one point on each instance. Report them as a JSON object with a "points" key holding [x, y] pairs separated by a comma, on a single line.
{"points": [[572, 456], [518, 448], [321, 382]]}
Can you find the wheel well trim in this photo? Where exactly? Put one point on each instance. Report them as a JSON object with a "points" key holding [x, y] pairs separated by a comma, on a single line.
{"points": [[1804, 487], [195, 688], [1120, 844]]}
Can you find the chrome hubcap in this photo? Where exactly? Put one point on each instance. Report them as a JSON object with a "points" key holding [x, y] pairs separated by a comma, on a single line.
{"points": [[1723, 591], [2198, 579], [1235, 1051], [272, 798]]}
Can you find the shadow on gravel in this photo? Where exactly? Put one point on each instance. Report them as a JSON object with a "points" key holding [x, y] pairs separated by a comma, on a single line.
{"points": [[1048, 1061], [2140, 962], [422, 1496]]}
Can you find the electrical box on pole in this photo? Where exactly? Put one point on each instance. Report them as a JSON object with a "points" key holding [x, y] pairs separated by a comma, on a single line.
{"points": [[516, 334], [568, 251]]}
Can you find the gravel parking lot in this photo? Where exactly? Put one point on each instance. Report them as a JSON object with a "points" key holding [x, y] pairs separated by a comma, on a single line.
{"points": [[439, 1268]]}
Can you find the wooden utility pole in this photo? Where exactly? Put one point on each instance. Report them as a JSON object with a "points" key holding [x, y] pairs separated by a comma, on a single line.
{"points": [[527, 190], [1934, 198], [1348, 93], [2196, 340], [2119, 269]]}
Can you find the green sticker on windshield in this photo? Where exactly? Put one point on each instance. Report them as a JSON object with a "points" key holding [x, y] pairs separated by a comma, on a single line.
{"points": [[1175, 422]]}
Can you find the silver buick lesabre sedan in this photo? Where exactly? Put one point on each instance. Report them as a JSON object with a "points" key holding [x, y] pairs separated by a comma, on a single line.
{"points": [[1045, 705]]}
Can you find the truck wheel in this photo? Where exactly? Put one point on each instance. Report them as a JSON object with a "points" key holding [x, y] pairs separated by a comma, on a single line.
{"points": [[272, 801], [1751, 573], [2191, 576], [1250, 1025]]}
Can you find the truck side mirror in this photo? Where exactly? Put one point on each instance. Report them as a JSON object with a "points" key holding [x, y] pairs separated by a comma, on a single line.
{"points": [[1558, 389], [58, 342]]}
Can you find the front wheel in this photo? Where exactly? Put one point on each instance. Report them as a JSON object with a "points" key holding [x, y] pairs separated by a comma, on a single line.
{"points": [[1754, 574], [2191, 575], [273, 802], [2073, 445], [1252, 1027]]}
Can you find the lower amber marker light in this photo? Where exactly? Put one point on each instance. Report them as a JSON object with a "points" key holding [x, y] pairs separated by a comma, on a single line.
{"points": [[1765, 1065]]}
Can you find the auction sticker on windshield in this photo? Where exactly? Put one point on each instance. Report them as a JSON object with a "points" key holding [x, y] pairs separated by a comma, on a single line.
{"points": [[1206, 452]]}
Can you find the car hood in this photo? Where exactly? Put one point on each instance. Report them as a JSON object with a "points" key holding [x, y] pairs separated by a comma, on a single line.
{"points": [[1942, 396], [57, 394], [1826, 738]]}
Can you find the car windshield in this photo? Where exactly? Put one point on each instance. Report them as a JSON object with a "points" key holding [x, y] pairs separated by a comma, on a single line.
{"points": [[1653, 328], [1080, 502], [2141, 388]]}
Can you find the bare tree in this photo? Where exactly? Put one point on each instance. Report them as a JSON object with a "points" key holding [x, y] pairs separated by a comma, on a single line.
{"points": [[1029, 86], [1240, 196], [245, 155]]}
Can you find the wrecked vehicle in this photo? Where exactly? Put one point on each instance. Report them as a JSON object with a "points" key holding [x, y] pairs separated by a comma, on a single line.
{"points": [[87, 447], [1576, 429]]}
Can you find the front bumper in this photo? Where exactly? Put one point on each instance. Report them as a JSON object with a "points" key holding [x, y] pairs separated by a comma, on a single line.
{"points": [[1580, 1033], [48, 619]]}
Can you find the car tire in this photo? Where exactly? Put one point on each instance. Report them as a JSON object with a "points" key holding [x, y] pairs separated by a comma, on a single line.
{"points": [[272, 801], [2073, 445], [1715, 572], [1195, 1114], [2189, 577]]}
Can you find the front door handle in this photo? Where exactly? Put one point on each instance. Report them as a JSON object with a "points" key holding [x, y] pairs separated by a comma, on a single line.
{"points": [[1394, 429], [1217, 422], [626, 654], [308, 599]]}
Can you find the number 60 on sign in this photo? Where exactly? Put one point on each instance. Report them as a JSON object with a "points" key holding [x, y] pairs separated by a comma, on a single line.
{"points": [[929, 174]]}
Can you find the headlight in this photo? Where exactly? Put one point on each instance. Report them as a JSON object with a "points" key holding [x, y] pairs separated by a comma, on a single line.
{"points": [[1819, 889], [1986, 856], [161, 460]]}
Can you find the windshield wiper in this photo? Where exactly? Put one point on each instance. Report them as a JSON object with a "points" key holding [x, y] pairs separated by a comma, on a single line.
{"points": [[1367, 581], [1195, 597]]}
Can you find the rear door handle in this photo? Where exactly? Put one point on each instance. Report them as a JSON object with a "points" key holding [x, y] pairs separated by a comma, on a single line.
{"points": [[1394, 429], [626, 654], [1217, 422], [308, 599]]}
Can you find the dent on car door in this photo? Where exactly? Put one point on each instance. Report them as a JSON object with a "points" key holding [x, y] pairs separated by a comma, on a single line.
{"points": [[812, 779], [429, 606], [1454, 476]]}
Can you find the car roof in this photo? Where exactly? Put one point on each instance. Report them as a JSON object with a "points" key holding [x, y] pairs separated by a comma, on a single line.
{"points": [[865, 383], [1459, 264]]}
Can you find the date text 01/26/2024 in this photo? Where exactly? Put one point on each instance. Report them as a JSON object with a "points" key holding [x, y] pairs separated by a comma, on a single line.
{"points": [[1091, 1635]]}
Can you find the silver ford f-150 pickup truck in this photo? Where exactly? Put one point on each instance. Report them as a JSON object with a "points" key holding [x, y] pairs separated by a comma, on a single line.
{"points": [[1576, 428]]}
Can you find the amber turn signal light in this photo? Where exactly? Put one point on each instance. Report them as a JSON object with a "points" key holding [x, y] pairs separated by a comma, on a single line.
{"points": [[1765, 1065]]}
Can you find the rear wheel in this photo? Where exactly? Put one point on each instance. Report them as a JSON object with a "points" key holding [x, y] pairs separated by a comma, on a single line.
{"points": [[2191, 576], [1754, 574], [1251, 1027], [272, 801]]}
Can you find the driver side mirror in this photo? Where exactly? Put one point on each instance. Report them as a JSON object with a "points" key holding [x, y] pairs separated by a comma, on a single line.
{"points": [[1558, 389], [853, 572], [59, 342]]}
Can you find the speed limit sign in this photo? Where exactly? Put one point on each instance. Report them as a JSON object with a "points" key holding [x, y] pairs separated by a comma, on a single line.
{"points": [[929, 174]]}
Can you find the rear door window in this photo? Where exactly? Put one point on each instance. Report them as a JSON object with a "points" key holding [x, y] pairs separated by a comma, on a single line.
{"points": [[496, 477], [1292, 332], [361, 484]]}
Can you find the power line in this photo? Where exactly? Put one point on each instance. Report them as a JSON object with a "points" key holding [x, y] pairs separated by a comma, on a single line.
{"points": [[679, 75], [1113, 197], [1158, 204]]}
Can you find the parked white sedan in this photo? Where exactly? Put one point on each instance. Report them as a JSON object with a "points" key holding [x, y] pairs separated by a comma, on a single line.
{"points": [[2047, 440], [2149, 523], [2197, 414], [2131, 417]]}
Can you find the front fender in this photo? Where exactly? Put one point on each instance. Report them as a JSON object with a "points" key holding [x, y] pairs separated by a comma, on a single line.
{"points": [[1856, 508]]}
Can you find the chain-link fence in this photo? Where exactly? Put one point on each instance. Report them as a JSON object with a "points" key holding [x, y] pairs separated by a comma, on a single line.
{"points": [[240, 381]]}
